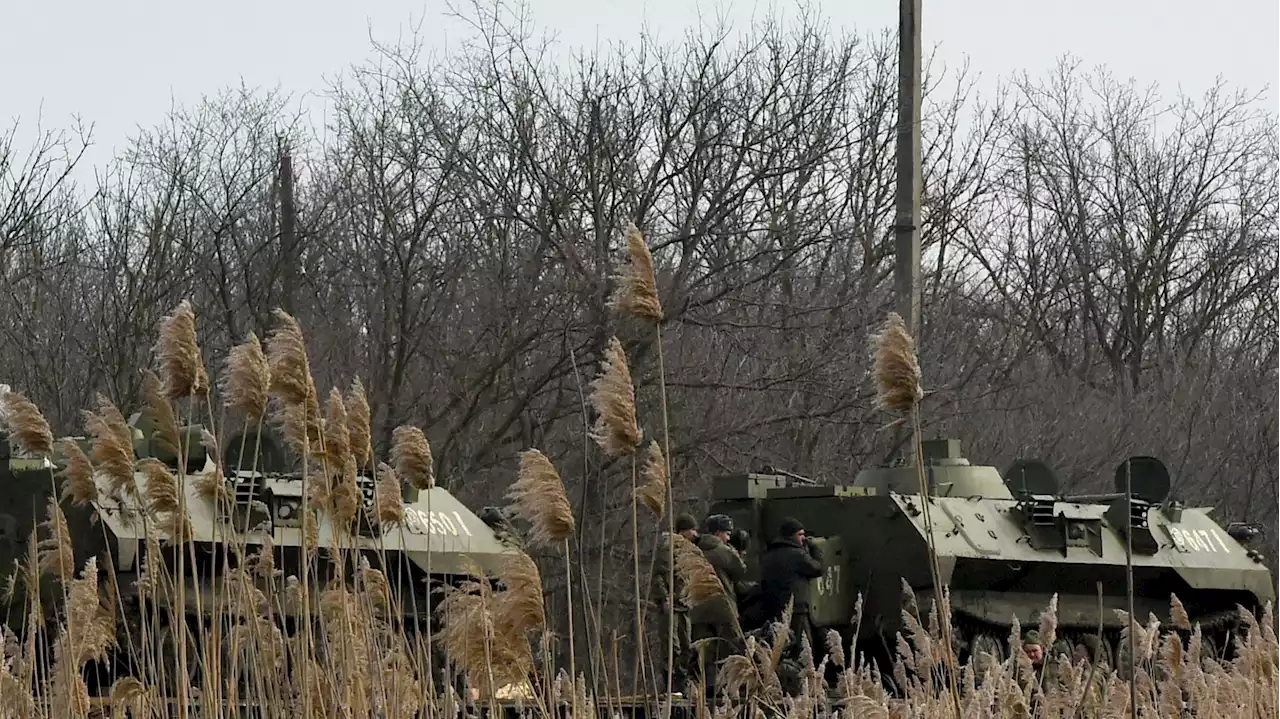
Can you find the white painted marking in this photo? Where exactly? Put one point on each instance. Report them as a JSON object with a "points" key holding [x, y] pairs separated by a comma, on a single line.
{"points": [[829, 582], [420, 522], [462, 523], [1198, 540]]}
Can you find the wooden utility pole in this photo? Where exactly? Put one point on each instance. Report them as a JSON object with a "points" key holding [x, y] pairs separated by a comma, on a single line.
{"points": [[906, 273], [906, 226], [288, 228]]}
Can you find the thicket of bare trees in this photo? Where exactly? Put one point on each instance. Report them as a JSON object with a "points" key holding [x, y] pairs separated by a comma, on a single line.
{"points": [[1100, 279]]}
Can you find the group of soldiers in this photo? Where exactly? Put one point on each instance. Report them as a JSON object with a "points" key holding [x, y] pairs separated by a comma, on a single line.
{"points": [[790, 562]]}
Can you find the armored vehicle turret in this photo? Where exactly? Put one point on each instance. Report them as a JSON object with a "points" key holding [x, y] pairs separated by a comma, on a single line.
{"points": [[1006, 543]]}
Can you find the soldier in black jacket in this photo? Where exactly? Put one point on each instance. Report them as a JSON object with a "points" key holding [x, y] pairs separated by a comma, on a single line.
{"points": [[786, 569]]}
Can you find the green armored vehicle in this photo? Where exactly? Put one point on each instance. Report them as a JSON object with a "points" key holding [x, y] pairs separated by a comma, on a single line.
{"points": [[1006, 544], [439, 542]]}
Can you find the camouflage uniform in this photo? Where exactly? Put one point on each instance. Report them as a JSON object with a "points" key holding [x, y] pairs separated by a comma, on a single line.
{"points": [[715, 620], [1097, 664], [1030, 682], [683, 637]]}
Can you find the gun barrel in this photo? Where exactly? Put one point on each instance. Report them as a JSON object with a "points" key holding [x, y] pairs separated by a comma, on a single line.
{"points": [[1106, 497]]}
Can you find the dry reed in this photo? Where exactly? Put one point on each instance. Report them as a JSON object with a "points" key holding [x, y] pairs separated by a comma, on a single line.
{"points": [[653, 493], [291, 381], [896, 368], [179, 352], [359, 422], [26, 424], [538, 497], [365, 665], [56, 556], [246, 384], [164, 500], [411, 455], [636, 293], [614, 397], [79, 487], [388, 497]]}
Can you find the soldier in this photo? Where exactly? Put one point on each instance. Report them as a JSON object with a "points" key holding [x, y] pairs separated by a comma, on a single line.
{"points": [[714, 619], [748, 592], [786, 569], [1092, 661], [686, 526], [1032, 647]]}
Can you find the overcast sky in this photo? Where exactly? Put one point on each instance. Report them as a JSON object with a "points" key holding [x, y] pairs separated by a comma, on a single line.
{"points": [[121, 63]]}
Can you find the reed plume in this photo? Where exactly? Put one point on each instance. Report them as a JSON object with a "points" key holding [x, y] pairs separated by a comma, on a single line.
{"points": [[653, 493], [469, 638], [618, 433], [411, 455], [345, 496], [896, 368], [539, 498], [112, 447], [26, 424], [87, 635], [79, 487], [246, 382], [637, 289], [166, 422], [212, 485], [636, 294], [291, 381], [359, 422], [614, 398], [521, 610], [337, 437], [56, 556], [287, 360], [179, 352], [90, 630], [701, 583], [164, 500], [388, 498]]}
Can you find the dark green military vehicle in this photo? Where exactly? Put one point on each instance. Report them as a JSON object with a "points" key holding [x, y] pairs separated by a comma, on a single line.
{"points": [[1006, 544]]}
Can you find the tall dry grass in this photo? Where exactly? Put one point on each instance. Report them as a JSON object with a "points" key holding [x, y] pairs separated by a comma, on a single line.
{"points": [[360, 658]]}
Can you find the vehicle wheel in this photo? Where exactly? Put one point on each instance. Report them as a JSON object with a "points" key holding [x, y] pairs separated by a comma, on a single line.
{"points": [[168, 672], [986, 651]]}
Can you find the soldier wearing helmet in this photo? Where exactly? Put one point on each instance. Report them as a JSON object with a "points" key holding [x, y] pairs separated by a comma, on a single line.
{"points": [[716, 619]]}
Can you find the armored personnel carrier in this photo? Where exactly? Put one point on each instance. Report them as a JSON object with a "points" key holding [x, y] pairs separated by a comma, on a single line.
{"points": [[1006, 543], [439, 542]]}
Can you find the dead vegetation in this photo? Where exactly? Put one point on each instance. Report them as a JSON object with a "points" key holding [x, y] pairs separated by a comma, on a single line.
{"points": [[361, 660], [478, 312]]}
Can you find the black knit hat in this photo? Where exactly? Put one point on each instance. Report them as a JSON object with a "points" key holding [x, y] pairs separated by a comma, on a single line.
{"points": [[685, 522], [789, 527]]}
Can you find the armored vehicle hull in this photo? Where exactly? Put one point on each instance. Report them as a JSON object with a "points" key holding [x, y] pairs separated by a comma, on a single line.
{"points": [[1005, 546]]}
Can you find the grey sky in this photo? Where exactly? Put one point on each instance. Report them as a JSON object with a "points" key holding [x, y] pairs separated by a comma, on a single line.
{"points": [[121, 63]]}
